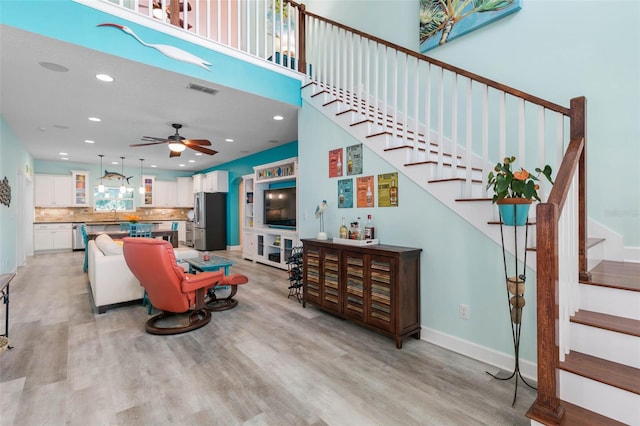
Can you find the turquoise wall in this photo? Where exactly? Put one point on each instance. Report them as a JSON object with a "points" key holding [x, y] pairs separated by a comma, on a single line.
{"points": [[239, 168], [555, 50], [459, 264], [14, 159]]}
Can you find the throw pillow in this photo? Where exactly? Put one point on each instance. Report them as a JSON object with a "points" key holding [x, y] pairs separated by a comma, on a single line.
{"points": [[108, 246]]}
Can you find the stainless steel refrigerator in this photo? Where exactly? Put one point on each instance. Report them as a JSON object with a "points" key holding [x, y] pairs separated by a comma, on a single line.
{"points": [[210, 221]]}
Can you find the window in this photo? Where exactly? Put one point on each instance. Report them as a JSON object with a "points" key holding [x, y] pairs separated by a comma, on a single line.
{"points": [[111, 199]]}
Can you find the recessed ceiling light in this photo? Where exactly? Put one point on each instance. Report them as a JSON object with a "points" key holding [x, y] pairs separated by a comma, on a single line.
{"points": [[104, 77], [94, 119], [89, 141], [228, 140], [278, 117], [63, 153], [198, 153], [53, 67], [181, 165], [114, 162], [42, 129], [192, 161], [64, 158], [154, 166]]}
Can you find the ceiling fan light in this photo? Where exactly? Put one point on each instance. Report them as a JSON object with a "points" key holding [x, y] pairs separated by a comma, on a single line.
{"points": [[177, 147]]}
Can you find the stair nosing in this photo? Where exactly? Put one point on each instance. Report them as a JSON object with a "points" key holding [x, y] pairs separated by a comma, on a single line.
{"points": [[607, 322], [604, 371]]}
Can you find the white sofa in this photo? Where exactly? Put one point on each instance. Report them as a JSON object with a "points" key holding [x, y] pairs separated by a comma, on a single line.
{"points": [[112, 283]]}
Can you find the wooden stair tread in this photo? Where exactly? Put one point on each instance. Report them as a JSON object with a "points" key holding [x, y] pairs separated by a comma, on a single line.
{"points": [[621, 275], [608, 322], [604, 371]]}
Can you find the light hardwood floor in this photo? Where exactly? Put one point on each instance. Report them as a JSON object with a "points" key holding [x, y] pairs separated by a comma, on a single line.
{"points": [[266, 362]]}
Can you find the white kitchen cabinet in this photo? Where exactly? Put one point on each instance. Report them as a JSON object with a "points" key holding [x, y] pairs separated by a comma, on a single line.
{"points": [[53, 190], [149, 197], [81, 188], [166, 193], [216, 181], [185, 192], [52, 237], [198, 181]]}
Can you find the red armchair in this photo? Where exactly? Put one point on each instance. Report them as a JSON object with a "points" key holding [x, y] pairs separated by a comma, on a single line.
{"points": [[170, 289]]}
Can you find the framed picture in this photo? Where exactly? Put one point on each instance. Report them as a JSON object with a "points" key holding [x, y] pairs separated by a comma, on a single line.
{"points": [[345, 193], [335, 163], [354, 160], [444, 20], [365, 187], [388, 190]]}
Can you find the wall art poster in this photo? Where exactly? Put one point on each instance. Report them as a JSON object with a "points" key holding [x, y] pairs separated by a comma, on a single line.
{"points": [[345, 193], [445, 20], [354, 160], [388, 190], [335, 163], [365, 187]]}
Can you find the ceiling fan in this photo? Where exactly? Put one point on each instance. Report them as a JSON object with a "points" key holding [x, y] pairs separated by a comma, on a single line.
{"points": [[177, 143]]}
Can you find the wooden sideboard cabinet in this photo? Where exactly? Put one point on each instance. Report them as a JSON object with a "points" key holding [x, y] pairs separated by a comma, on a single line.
{"points": [[377, 287]]}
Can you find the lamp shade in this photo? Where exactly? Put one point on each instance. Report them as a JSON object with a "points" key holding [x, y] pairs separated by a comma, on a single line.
{"points": [[177, 147]]}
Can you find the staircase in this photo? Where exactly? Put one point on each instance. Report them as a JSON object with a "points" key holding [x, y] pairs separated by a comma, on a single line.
{"points": [[602, 370]]}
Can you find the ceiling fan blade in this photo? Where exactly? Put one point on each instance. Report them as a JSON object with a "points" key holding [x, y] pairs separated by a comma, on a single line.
{"points": [[174, 154], [201, 142], [147, 144], [151, 138], [203, 150]]}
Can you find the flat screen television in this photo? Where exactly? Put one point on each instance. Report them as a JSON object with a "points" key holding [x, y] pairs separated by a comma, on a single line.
{"points": [[280, 207]]}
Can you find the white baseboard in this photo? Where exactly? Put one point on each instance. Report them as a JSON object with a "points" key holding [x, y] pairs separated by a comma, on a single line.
{"points": [[632, 254], [234, 248], [500, 360]]}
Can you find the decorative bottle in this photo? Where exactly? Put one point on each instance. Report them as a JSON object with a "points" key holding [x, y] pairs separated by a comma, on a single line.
{"points": [[369, 195], [349, 164], [339, 167], [369, 229], [344, 232], [393, 193]]}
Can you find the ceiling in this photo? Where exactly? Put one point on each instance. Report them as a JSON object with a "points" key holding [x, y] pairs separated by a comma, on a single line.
{"points": [[48, 110]]}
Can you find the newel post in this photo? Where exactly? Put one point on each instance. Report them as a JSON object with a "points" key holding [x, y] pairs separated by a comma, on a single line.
{"points": [[547, 404], [302, 42], [578, 131]]}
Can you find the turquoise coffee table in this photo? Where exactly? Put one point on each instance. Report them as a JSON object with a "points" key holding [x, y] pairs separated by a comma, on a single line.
{"points": [[215, 263]]}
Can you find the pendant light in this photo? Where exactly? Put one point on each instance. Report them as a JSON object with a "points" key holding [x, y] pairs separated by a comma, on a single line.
{"points": [[141, 189], [123, 189], [101, 186]]}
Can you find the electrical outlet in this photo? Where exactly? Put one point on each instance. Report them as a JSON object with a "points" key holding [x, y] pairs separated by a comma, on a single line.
{"points": [[463, 311]]}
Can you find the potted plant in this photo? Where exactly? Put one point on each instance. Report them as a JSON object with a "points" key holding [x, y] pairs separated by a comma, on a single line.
{"points": [[514, 191], [132, 218]]}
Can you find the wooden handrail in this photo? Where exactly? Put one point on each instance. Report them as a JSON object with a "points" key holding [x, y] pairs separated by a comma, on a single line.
{"points": [[547, 405], [491, 83]]}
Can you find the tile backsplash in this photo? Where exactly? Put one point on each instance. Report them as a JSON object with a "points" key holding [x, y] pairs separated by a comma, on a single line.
{"points": [[86, 214]]}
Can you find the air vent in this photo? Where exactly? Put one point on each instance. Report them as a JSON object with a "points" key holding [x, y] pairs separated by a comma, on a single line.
{"points": [[203, 89]]}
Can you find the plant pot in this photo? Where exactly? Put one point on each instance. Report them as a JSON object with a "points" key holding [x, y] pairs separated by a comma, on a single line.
{"points": [[514, 211]]}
